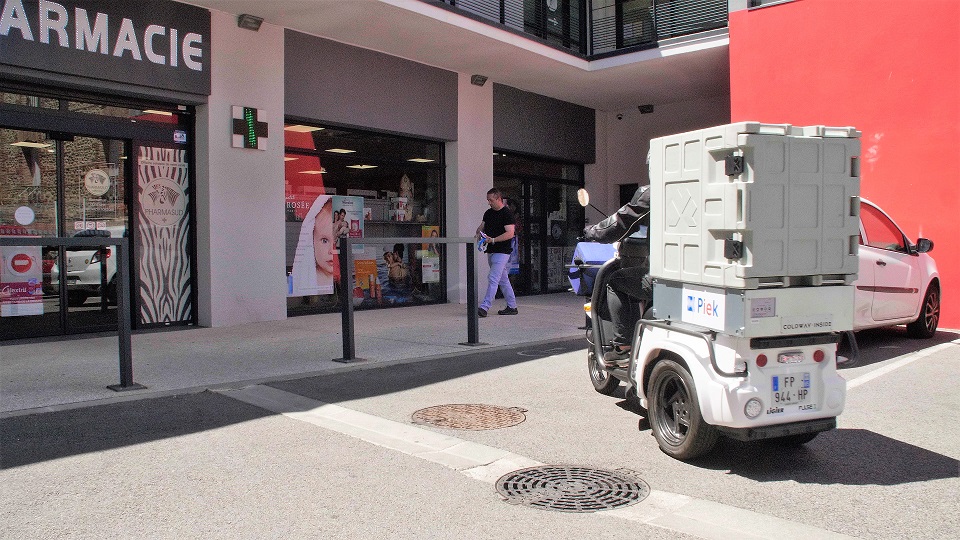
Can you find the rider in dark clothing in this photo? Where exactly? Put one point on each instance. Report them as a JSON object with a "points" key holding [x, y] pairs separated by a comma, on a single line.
{"points": [[631, 285]]}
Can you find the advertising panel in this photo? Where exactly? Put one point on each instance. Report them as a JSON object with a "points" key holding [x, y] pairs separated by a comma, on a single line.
{"points": [[158, 44], [21, 281]]}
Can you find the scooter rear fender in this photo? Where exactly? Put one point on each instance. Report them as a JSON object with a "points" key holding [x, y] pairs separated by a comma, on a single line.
{"points": [[722, 397]]}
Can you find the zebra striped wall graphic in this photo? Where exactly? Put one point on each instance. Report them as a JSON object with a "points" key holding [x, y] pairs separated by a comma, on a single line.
{"points": [[162, 237]]}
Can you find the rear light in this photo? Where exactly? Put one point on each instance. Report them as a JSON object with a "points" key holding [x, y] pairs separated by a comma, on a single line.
{"points": [[587, 307], [761, 360], [818, 355], [98, 253]]}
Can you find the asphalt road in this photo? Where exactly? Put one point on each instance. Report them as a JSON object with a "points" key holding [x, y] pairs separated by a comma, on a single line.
{"points": [[212, 465]]}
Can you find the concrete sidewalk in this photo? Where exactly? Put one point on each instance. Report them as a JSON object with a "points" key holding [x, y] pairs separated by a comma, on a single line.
{"points": [[40, 376]]}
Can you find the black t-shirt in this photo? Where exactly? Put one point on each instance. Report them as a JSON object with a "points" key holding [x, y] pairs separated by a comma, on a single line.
{"points": [[494, 224]]}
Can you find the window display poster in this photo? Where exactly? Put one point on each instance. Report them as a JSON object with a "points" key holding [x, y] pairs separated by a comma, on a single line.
{"points": [[313, 261], [431, 269], [21, 281], [430, 231], [366, 284], [348, 219]]}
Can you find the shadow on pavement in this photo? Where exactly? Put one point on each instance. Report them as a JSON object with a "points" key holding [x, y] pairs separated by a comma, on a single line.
{"points": [[881, 344], [843, 456], [398, 377], [46, 436], [25, 440]]}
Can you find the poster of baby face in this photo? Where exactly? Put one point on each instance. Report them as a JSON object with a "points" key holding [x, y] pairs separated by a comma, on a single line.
{"points": [[314, 257]]}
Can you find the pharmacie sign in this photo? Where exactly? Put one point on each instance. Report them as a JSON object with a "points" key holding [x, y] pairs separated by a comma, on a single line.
{"points": [[154, 43]]}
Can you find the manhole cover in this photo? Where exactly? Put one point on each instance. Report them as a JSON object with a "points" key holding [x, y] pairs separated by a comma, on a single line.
{"points": [[571, 489], [470, 416]]}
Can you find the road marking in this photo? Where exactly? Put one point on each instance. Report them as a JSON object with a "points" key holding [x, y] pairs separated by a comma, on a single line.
{"points": [[671, 511], [912, 357]]}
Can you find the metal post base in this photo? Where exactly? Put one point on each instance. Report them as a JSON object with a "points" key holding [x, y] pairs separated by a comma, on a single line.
{"points": [[476, 344], [349, 360], [122, 388]]}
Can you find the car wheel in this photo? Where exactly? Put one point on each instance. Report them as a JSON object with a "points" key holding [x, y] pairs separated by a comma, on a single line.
{"points": [[926, 324], [112, 292], [675, 417], [602, 381]]}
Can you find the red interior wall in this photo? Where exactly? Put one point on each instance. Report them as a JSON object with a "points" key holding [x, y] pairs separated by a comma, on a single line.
{"points": [[891, 69]]}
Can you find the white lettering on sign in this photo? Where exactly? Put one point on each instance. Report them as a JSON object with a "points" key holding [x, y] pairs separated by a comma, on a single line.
{"points": [[54, 20]]}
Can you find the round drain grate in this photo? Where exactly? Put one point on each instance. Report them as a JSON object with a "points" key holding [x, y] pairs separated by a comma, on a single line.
{"points": [[571, 489], [470, 416]]}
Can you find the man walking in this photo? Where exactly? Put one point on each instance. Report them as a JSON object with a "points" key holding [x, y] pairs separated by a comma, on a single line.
{"points": [[498, 228]]}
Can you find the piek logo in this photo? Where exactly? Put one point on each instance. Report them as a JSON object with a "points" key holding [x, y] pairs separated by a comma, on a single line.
{"points": [[703, 306]]}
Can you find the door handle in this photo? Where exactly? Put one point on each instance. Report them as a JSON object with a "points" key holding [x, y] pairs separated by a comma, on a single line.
{"points": [[881, 263]]}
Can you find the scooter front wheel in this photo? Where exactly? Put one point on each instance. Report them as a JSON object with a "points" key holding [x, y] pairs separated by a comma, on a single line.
{"points": [[602, 381]]}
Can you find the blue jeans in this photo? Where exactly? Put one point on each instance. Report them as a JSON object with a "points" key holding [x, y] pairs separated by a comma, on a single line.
{"points": [[498, 278]]}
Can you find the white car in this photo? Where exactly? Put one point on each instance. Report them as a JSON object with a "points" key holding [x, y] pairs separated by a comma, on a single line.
{"points": [[83, 269], [898, 282]]}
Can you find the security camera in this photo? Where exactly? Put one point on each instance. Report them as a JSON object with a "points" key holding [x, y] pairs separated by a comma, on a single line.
{"points": [[620, 116]]}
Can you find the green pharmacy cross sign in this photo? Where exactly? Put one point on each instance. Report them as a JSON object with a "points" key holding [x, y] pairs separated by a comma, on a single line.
{"points": [[248, 130]]}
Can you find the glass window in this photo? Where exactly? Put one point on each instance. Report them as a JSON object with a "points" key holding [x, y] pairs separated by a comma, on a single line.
{"points": [[28, 192], [343, 183], [881, 232], [163, 115], [542, 195], [10, 98]]}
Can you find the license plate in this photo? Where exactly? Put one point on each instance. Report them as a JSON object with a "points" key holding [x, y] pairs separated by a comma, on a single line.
{"points": [[791, 389]]}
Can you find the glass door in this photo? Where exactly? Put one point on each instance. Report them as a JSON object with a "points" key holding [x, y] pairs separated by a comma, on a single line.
{"points": [[28, 208], [94, 205], [68, 187], [518, 267], [562, 223]]}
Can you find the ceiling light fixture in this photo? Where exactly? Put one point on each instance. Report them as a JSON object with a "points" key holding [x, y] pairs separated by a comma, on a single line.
{"points": [[154, 111], [297, 128], [361, 166], [250, 22], [321, 171], [421, 160], [340, 150], [288, 158], [478, 80], [30, 144]]}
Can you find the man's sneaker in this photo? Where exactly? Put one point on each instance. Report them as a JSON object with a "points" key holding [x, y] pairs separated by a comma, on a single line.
{"points": [[482, 312], [508, 311], [616, 357]]}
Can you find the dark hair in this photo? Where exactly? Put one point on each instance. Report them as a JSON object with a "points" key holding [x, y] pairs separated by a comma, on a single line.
{"points": [[495, 191]]}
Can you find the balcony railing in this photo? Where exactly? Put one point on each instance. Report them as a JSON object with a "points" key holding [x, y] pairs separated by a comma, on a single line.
{"points": [[628, 24], [598, 27]]}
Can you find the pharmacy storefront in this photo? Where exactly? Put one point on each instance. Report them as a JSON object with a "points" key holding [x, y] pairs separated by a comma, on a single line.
{"points": [[96, 140]]}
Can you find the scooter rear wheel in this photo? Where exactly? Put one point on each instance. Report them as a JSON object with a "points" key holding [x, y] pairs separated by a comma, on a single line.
{"points": [[602, 381], [675, 416]]}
